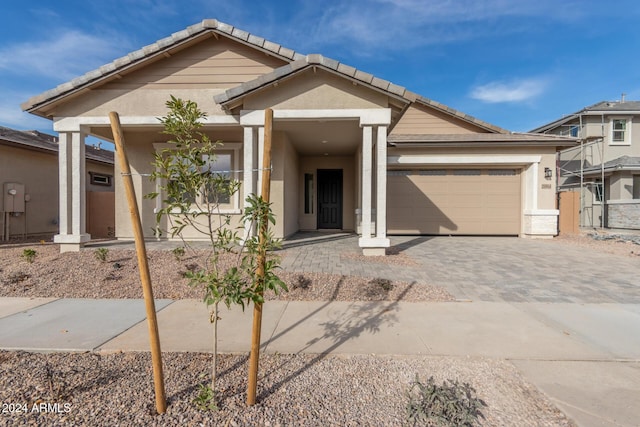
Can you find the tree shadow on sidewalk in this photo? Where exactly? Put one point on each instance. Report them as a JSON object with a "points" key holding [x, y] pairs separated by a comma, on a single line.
{"points": [[359, 319]]}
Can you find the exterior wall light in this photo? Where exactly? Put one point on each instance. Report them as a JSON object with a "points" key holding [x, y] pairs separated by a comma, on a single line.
{"points": [[548, 173]]}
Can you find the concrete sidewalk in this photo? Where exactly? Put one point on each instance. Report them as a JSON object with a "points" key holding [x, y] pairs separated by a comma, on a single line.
{"points": [[586, 357]]}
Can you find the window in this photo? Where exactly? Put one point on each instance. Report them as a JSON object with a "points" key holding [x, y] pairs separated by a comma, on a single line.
{"points": [[597, 191], [433, 172], [100, 179], [308, 193], [501, 172], [217, 190], [636, 186], [399, 173], [574, 131], [467, 172], [224, 169], [620, 131]]}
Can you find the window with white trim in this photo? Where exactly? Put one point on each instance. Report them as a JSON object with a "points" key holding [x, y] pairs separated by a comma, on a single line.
{"points": [[226, 166], [620, 131]]}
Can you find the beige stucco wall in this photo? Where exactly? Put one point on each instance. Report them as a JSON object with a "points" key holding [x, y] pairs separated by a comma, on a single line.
{"points": [[420, 119], [290, 190], [620, 186], [139, 146], [595, 126], [38, 172], [311, 165], [198, 73], [315, 90], [100, 168]]}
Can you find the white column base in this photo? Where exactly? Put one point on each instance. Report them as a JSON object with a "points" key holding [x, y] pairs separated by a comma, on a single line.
{"points": [[540, 223], [374, 246], [71, 242]]}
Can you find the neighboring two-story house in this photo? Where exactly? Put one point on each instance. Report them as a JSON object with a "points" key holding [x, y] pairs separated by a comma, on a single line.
{"points": [[605, 168]]}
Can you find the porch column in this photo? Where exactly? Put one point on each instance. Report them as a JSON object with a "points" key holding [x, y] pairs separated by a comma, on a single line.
{"points": [[365, 226], [381, 183], [260, 157], [374, 246], [248, 181], [72, 192]]}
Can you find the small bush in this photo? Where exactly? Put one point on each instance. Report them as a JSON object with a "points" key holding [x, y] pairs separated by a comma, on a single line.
{"points": [[302, 282], [29, 255], [178, 252], [449, 404], [384, 284], [101, 254], [205, 401]]}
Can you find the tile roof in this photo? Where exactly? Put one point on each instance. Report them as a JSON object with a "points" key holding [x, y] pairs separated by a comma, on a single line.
{"points": [[35, 140], [516, 138], [306, 62], [297, 61], [597, 108], [348, 72], [144, 53], [621, 163]]}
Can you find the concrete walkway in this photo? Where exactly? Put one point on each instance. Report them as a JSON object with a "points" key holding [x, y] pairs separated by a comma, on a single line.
{"points": [[567, 317], [585, 357]]}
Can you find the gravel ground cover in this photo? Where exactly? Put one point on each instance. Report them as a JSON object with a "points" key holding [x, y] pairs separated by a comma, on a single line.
{"points": [[611, 243], [82, 275], [293, 390], [322, 390]]}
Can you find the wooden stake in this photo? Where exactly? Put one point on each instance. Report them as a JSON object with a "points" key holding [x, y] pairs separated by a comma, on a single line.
{"points": [[264, 224], [143, 266]]}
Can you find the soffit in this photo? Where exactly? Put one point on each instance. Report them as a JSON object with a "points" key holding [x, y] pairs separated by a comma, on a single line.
{"points": [[315, 138]]}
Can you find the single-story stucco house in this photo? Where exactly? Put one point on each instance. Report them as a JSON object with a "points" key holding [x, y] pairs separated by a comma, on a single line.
{"points": [[351, 151], [29, 182]]}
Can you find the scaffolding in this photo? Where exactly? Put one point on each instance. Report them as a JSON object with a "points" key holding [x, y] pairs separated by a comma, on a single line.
{"points": [[591, 147]]}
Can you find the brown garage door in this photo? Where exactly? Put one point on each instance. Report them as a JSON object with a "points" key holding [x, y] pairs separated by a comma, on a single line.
{"points": [[454, 201]]}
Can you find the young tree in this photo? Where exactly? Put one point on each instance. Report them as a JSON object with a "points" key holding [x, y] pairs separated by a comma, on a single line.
{"points": [[192, 190]]}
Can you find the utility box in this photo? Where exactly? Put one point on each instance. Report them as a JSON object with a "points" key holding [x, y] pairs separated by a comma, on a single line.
{"points": [[13, 197]]}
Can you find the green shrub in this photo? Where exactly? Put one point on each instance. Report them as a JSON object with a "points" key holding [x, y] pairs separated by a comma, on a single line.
{"points": [[449, 404], [205, 400], [101, 254], [178, 252], [29, 255]]}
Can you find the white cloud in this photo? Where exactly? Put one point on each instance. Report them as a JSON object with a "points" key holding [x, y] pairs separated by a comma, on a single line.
{"points": [[510, 91], [67, 54], [371, 25], [12, 116]]}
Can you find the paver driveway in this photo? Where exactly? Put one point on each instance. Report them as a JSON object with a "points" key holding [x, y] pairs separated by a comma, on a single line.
{"points": [[483, 268]]}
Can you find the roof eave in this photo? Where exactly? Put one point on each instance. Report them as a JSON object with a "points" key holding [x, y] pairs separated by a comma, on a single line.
{"points": [[460, 115], [233, 97], [148, 53], [487, 144], [610, 169]]}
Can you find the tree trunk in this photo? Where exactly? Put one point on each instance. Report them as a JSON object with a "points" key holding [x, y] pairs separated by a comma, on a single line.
{"points": [[214, 367]]}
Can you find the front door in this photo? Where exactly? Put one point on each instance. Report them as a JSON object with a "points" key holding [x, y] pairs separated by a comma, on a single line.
{"points": [[330, 198]]}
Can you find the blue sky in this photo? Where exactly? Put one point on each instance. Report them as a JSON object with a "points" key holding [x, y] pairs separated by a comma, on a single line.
{"points": [[515, 63]]}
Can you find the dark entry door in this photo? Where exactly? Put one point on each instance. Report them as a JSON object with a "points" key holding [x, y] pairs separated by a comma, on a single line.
{"points": [[330, 198]]}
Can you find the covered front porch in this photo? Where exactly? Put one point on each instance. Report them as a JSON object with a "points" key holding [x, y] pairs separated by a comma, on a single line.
{"points": [[328, 170]]}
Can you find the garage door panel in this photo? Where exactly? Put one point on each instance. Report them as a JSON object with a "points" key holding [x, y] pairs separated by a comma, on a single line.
{"points": [[455, 201]]}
